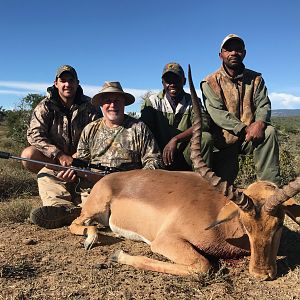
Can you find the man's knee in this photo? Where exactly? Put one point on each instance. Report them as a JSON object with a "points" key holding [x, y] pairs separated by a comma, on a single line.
{"points": [[33, 153], [52, 190], [207, 141], [28, 152], [207, 148]]}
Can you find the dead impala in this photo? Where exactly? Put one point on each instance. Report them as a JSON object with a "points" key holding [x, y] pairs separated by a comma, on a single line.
{"points": [[188, 216]]}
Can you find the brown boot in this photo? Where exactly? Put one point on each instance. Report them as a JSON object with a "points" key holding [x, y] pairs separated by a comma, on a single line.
{"points": [[54, 216]]}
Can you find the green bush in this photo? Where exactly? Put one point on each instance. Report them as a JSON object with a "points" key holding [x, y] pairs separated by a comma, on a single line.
{"points": [[17, 120], [287, 162]]}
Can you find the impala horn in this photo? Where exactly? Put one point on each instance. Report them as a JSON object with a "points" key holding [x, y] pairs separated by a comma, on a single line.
{"points": [[283, 194], [238, 197]]}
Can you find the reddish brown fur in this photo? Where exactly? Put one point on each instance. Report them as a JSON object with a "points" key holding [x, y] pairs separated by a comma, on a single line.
{"points": [[172, 210]]}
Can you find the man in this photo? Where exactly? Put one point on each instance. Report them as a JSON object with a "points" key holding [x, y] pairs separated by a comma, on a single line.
{"points": [[169, 115], [53, 135], [116, 140], [236, 98], [58, 120]]}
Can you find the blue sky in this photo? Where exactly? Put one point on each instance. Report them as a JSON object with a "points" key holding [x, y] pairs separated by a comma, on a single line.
{"points": [[131, 40]]}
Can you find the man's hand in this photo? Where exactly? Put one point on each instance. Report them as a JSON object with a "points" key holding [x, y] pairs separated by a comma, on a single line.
{"points": [[64, 159], [255, 132], [169, 152], [68, 175]]}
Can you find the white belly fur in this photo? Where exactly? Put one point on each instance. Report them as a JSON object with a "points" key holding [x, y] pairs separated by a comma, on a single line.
{"points": [[127, 233]]}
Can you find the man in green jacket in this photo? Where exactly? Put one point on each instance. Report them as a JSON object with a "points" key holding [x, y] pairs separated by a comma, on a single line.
{"points": [[169, 115], [236, 98]]}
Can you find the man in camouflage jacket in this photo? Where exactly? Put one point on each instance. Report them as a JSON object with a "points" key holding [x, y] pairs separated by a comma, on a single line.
{"points": [[236, 98], [53, 135], [118, 140], [58, 120]]}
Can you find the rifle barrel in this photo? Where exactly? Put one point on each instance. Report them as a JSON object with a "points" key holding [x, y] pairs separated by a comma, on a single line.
{"points": [[6, 155]]}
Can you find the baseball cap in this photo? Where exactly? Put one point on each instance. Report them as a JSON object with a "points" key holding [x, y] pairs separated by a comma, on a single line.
{"points": [[174, 68], [66, 68], [230, 37]]}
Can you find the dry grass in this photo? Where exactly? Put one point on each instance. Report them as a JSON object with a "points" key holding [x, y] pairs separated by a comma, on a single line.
{"points": [[15, 181], [18, 210]]}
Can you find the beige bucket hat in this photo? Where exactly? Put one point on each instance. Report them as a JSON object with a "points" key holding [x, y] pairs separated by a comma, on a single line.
{"points": [[113, 87]]}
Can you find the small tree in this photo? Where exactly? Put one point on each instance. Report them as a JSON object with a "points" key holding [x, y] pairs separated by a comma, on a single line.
{"points": [[19, 118], [2, 113], [147, 95], [30, 101]]}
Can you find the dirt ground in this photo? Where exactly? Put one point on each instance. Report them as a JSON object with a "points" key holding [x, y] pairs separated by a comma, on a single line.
{"points": [[37, 263]]}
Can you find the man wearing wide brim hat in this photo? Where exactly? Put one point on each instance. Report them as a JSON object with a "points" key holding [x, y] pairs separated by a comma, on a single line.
{"points": [[112, 87], [117, 140]]}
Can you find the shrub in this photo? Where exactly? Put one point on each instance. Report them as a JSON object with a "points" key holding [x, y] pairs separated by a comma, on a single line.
{"points": [[287, 162], [18, 120]]}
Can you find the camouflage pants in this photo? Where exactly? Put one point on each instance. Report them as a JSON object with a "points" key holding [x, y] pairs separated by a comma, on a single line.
{"points": [[56, 192], [265, 156]]}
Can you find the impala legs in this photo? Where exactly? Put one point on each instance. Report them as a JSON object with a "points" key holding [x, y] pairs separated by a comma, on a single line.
{"points": [[186, 259], [77, 227]]}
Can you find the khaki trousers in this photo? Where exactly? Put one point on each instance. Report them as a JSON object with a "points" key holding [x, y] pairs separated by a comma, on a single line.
{"points": [[56, 192]]}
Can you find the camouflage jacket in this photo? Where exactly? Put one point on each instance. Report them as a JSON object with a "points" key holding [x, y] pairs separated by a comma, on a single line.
{"points": [[128, 146], [55, 128]]}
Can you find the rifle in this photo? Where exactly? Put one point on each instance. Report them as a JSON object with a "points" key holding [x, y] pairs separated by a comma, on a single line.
{"points": [[81, 167]]}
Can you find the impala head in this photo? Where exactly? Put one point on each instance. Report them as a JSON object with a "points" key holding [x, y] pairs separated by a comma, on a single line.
{"points": [[263, 230], [261, 207], [263, 221]]}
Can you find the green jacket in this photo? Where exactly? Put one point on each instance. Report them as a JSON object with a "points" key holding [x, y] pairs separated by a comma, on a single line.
{"points": [[164, 123]]}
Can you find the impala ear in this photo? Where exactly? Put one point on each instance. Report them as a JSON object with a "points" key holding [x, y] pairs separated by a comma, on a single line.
{"points": [[292, 209], [228, 212]]}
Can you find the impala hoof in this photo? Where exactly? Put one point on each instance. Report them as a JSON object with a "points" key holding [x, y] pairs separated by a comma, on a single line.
{"points": [[90, 241]]}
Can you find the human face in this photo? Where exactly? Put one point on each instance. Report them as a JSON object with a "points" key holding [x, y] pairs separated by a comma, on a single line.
{"points": [[232, 54], [67, 86], [173, 84], [113, 107]]}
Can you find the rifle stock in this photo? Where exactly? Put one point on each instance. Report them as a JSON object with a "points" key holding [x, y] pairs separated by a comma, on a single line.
{"points": [[81, 168]]}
